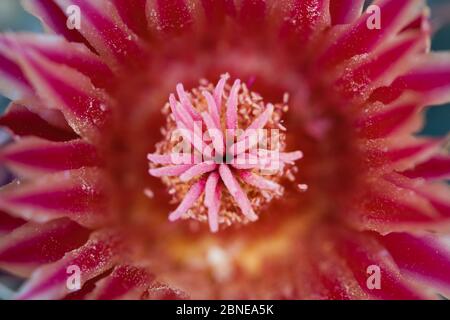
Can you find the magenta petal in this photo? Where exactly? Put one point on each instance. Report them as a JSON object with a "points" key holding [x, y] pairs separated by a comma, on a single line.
{"points": [[159, 291], [8, 223], [386, 122], [97, 256], [424, 256], [418, 150], [32, 244], [252, 13], [217, 10], [345, 11], [23, 122], [358, 39], [306, 18], [106, 32], [431, 79], [58, 50], [361, 251], [382, 67], [78, 194], [396, 207], [124, 283], [67, 90], [404, 156], [133, 14], [173, 15], [13, 83], [435, 168], [55, 19], [35, 156]]}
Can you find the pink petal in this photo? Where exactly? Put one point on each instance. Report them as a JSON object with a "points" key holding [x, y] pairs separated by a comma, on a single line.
{"points": [[170, 171], [424, 256], [32, 156], [435, 168], [67, 90], [189, 199], [252, 13], [78, 194], [237, 193], [333, 280], [106, 32], [124, 283], [23, 122], [386, 122], [258, 181], [58, 50], [217, 10], [358, 39], [386, 207], [305, 19], [382, 67], [198, 170], [419, 150], [8, 223], [98, 255], [159, 291], [133, 14], [55, 19], [33, 245], [404, 156], [13, 83], [436, 194], [173, 15], [345, 11], [360, 251], [431, 79]]}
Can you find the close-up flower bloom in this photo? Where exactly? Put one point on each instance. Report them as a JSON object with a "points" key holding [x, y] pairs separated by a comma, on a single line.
{"points": [[305, 177]]}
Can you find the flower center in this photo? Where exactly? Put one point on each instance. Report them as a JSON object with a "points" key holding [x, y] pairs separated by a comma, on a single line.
{"points": [[222, 156]]}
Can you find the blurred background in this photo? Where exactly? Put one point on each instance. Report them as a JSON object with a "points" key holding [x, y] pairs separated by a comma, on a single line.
{"points": [[14, 18]]}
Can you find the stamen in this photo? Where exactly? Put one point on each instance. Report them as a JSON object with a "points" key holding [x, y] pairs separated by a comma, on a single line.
{"points": [[239, 179]]}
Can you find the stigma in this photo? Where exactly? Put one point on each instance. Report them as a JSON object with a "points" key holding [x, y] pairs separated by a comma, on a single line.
{"points": [[222, 155]]}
